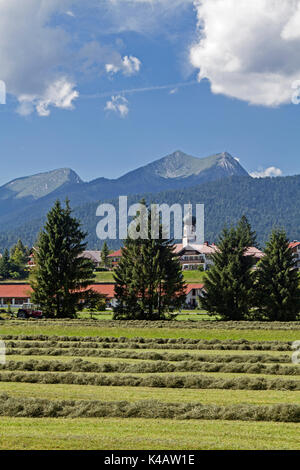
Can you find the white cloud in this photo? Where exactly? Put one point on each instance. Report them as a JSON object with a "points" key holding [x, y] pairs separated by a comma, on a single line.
{"points": [[272, 171], [59, 94], [41, 60], [118, 104], [70, 13], [145, 16], [129, 65], [249, 49], [31, 54]]}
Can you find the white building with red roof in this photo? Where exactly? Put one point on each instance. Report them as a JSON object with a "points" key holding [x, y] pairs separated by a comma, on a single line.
{"points": [[193, 255]]}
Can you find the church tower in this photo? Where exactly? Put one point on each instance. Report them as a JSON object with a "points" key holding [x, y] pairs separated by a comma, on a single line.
{"points": [[189, 229]]}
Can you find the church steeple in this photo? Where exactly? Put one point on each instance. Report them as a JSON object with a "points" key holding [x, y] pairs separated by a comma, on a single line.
{"points": [[189, 228]]}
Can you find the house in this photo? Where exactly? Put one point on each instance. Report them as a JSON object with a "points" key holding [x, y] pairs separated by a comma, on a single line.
{"points": [[94, 256], [295, 247], [193, 292], [193, 255], [14, 294], [18, 294], [115, 257]]}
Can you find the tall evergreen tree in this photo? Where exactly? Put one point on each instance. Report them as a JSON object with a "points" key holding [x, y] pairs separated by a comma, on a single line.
{"points": [[61, 276], [229, 283], [104, 254], [277, 286], [149, 279], [5, 265]]}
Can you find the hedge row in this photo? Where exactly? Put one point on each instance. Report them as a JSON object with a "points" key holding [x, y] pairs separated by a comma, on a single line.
{"points": [[151, 356], [41, 408], [157, 381]]}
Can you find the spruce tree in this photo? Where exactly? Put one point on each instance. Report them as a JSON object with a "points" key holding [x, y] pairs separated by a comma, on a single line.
{"points": [[61, 277], [104, 254], [149, 279], [229, 283], [277, 284], [5, 265]]}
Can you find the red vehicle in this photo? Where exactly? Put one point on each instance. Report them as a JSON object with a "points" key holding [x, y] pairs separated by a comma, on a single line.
{"points": [[29, 311]]}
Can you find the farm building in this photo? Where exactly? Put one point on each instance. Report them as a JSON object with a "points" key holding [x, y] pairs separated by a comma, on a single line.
{"points": [[18, 294]]}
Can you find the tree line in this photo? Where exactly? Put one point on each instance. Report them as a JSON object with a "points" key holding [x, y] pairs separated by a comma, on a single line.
{"points": [[149, 280], [13, 264], [236, 289]]}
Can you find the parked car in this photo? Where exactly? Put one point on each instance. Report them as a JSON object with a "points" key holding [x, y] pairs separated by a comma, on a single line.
{"points": [[29, 311]]}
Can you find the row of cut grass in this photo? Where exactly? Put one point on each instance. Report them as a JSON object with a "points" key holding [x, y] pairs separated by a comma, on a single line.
{"points": [[90, 392], [149, 355], [153, 367]]}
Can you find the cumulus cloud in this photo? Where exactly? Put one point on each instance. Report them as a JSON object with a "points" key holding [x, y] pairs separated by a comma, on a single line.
{"points": [[42, 61], [31, 54], [249, 49], [272, 171], [129, 65], [118, 104], [59, 94]]}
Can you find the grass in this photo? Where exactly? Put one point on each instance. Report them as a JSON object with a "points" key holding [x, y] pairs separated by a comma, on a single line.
{"points": [[104, 276], [107, 276], [148, 433], [106, 393], [194, 276], [31, 328], [137, 434]]}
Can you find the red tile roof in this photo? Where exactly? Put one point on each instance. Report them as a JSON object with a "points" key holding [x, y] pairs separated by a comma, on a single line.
{"points": [[15, 291], [192, 286], [116, 254], [18, 291], [294, 244]]}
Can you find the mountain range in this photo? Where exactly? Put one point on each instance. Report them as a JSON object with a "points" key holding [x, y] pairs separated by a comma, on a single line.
{"points": [[218, 181]]}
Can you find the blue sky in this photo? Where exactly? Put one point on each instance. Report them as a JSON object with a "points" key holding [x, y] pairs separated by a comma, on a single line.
{"points": [[106, 86]]}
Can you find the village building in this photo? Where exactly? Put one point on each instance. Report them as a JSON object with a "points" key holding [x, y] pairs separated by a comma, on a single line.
{"points": [[94, 256], [295, 247], [114, 258], [192, 255], [17, 294]]}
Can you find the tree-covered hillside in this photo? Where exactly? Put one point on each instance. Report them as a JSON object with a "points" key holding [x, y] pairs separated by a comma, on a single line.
{"points": [[267, 202]]}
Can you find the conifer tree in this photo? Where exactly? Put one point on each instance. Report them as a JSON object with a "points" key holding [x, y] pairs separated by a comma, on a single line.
{"points": [[61, 276], [230, 281], [277, 293], [149, 279], [104, 254], [18, 258], [5, 265]]}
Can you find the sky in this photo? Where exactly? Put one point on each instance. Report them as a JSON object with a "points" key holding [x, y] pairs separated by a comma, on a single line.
{"points": [[106, 86]]}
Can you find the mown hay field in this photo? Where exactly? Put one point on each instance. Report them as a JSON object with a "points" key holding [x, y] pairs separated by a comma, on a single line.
{"points": [[167, 385]]}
